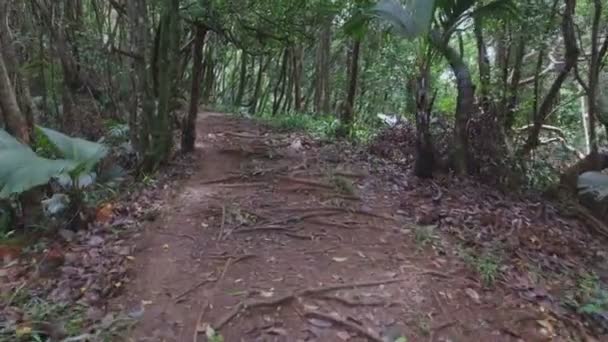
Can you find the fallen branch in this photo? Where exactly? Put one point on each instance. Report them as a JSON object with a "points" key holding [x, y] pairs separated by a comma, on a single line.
{"points": [[367, 332], [197, 286]]}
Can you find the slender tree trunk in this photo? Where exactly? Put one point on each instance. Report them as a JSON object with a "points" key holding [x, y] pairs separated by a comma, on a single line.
{"points": [[347, 112], [572, 53], [12, 64], [15, 123], [242, 80], [483, 62], [465, 103], [161, 132], [297, 78], [189, 127], [279, 89]]}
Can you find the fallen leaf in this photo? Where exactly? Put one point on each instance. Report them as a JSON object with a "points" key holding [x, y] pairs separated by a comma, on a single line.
{"points": [[276, 331], [343, 335], [339, 259], [319, 323], [473, 295], [267, 294], [23, 331], [547, 326], [105, 213]]}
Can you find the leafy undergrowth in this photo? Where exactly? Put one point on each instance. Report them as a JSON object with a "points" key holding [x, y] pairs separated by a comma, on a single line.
{"points": [[57, 287], [543, 251]]}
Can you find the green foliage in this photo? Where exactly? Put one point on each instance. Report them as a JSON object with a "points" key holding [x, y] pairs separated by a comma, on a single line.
{"points": [[22, 169], [487, 265], [424, 235], [594, 183], [411, 21]]}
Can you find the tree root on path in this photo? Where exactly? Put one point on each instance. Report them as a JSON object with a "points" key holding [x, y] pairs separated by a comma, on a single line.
{"points": [[250, 304], [363, 331], [197, 286], [222, 180], [354, 303], [306, 182]]}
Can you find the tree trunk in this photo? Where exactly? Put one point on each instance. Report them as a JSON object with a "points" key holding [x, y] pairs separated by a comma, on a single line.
{"points": [[572, 53], [465, 103], [12, 64], [168, 47], [15, 123], [189, 127], [483, 62], [279, 90], [347, 113], [423, 103], [297, 78], [322, 69], [242, 80]]}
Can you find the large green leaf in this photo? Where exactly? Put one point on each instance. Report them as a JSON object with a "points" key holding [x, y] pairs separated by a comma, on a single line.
{"points": [[412, 20], [8, 141], [21, 169], [83, 151]]}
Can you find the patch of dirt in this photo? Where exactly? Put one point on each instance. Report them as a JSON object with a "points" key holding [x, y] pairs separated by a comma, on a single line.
{"points": [[272, 239]]}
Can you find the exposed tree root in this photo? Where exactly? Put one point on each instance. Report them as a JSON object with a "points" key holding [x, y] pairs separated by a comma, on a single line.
{"points": [[595, 225], [363, 331], [354, 303], [251, 304], [222, 180], [330, 224], [197, 286], [306, 182], [243, 185]]}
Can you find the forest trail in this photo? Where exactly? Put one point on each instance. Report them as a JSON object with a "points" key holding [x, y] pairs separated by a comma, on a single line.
{"points": [[274, 239]]}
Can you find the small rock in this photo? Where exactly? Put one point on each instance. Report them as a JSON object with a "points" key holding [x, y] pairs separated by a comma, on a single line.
{"points": [[67, 234], [94, 314]]}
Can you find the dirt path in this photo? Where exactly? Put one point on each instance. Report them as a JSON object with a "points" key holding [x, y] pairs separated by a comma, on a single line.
{"points": [[275, 240]]}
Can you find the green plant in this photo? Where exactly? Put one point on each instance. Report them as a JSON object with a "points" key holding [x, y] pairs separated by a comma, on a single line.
{"points": [[487, 265], [424, 235], [22, 169]]}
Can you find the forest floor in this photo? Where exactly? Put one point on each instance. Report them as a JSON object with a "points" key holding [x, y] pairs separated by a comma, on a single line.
{"points": [[276, 237]]}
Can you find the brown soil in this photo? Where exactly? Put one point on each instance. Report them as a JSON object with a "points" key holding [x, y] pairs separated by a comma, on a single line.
{"points": [[264, 242]]}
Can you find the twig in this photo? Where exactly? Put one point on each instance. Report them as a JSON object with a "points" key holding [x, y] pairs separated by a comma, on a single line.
{"points": [[367, 332], [194, 288], [185, 236], [220, 234], [242, 135]]}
